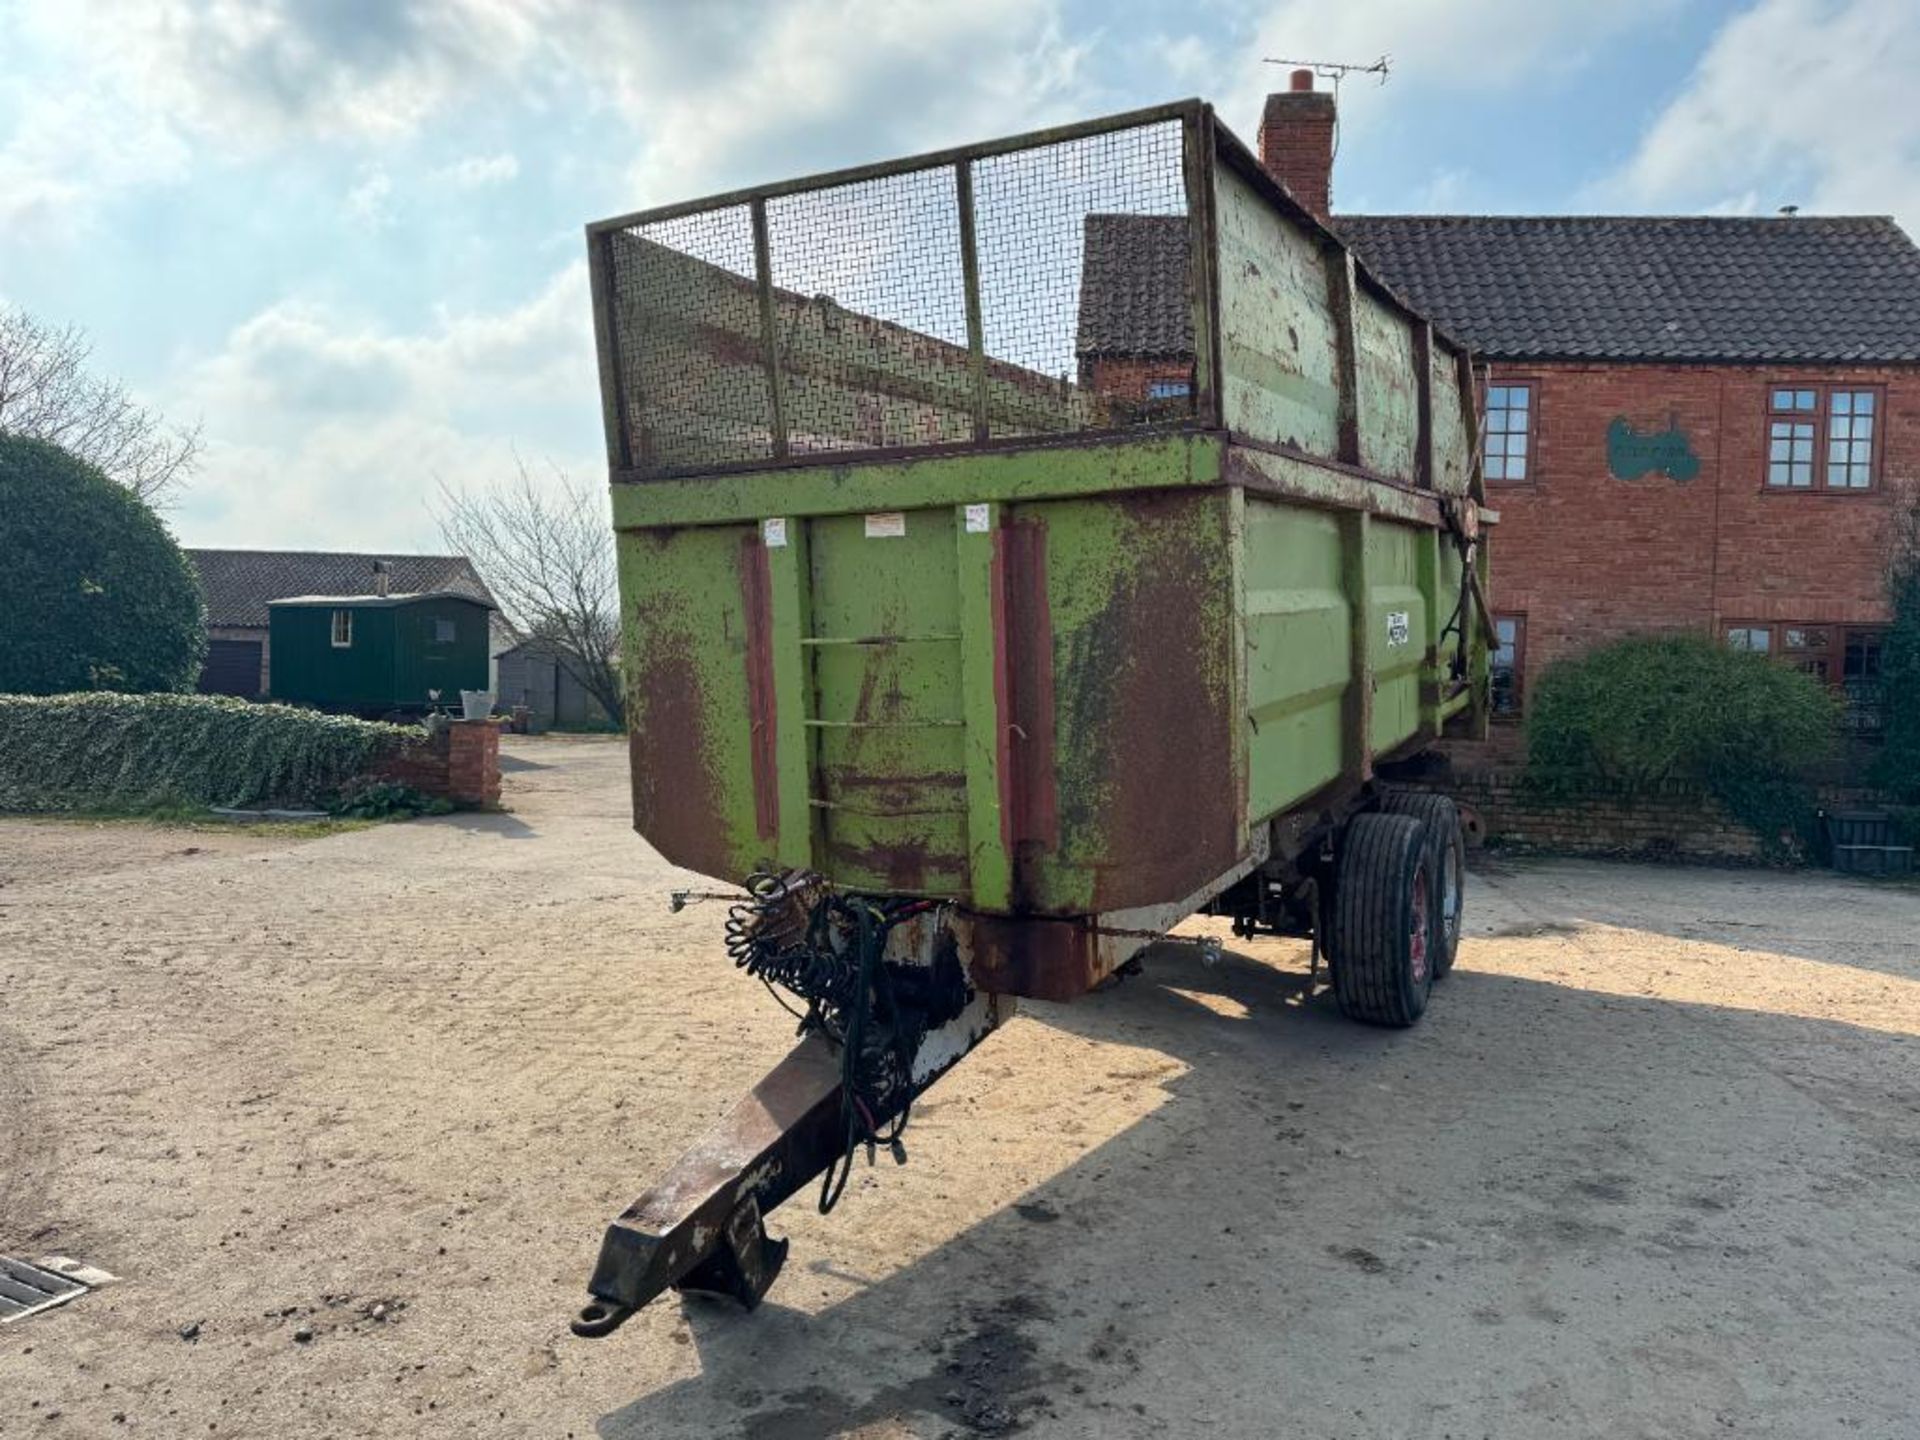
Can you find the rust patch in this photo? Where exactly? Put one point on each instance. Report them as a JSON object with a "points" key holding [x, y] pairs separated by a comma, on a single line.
{"points": [[1156, 790], [905, 864], [756, 590], [676, 795], [1036, 959]]}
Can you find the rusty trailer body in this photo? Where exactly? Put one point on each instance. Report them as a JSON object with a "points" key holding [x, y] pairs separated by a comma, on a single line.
{"points": [[1060, 531]]}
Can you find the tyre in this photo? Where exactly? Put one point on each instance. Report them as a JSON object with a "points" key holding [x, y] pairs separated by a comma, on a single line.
{"points": [[1446, 864], [1380, 934]]}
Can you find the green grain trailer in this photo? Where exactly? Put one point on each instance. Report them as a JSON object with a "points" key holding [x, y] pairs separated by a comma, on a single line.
{"points": [[378, 654], [1022, 548]]}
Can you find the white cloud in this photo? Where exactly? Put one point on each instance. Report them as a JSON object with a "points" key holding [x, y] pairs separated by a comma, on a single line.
{"points": [[66, 147], [846, 78], [368, 203], [478, 171], [325, 431], [1806, 102], [247, 73]]}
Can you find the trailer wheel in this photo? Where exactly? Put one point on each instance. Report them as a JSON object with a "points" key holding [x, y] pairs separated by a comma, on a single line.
{"points": [[1446, 864], [1380, 930]]}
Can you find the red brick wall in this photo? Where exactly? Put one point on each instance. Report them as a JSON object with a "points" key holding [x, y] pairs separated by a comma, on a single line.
{"points": [[1127, 378], [1296, 142], [460, 764], [1584, 556]]}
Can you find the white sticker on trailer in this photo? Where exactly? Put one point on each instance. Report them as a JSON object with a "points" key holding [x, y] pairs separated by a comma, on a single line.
{"points": [[979, 519], [887, 525], [1398, 630], [774, 532]]}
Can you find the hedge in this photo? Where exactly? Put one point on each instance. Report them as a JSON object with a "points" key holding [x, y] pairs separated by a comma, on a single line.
{"points": [[1652, 709], [107, 752]]}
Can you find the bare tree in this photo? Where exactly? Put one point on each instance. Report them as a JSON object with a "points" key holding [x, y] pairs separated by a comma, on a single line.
{"points": [[47, 392], [545, 549]]}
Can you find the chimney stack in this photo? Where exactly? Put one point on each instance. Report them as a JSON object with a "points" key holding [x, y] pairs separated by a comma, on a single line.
{"points": [[1296, 142], [382, 577]]}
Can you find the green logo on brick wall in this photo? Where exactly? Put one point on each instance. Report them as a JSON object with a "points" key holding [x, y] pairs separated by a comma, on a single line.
{"points": [[1631, 455]]}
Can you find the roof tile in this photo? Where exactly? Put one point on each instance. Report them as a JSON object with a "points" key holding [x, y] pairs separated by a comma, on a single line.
{"points": [[238, 584]]}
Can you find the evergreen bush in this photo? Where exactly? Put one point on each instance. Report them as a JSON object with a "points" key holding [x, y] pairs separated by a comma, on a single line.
{"points": [[94, 594]]}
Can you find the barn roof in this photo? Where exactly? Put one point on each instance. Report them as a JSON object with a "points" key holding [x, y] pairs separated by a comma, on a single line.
{"points": [[240, 584]]}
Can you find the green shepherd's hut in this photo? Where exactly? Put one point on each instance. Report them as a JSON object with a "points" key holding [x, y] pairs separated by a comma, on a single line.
{"points": [[376, 654]]}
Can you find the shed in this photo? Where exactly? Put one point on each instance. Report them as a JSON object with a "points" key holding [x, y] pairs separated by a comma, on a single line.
{"points": [[378, 653], [541, 674]]}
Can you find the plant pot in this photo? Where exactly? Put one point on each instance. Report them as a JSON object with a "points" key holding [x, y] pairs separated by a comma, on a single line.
{"points": [[476, 704]]}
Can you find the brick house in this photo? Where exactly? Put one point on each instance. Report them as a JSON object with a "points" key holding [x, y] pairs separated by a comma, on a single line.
{"points": [[1694, 423]]}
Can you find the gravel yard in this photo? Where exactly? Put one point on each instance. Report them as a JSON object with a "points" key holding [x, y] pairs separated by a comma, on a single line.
{"points": [[1648, 1167]]}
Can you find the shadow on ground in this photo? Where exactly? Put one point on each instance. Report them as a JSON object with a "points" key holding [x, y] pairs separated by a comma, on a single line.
{"points": [[1808, 914], [1518, 1218]]}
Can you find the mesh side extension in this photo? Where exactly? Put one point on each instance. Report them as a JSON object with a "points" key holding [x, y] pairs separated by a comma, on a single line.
{"points": [[854, 330], [870, 311], [1085, 266], [688, 343]]}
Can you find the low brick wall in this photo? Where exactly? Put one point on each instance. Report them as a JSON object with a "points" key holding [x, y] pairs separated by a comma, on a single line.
{"points": [[1677, 821], [459, 764], [1671, 821]]}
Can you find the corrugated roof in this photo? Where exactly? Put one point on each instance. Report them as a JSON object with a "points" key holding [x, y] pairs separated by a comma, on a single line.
{"points": [[1134, 297], [1820, 289], [239, 584]]}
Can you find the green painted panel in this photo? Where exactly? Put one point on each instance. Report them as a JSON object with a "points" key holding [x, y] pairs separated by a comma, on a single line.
{"points": [[439, 644], [689, 713], [1389, 392], [1034, 473], [1141, 610], [886, 658], [1299, 652], [976, 575], [1453, 458], [309, 669], [1401, 620], [1277, 332]]}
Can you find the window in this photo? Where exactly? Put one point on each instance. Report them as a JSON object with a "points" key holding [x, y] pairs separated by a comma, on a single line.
{"points": [[342, 629], [1509, 433], [1808, 648], [1798, 418], [1509, 661], [443, 632], [1168, 389], [1844, 659], [1860, 686]]}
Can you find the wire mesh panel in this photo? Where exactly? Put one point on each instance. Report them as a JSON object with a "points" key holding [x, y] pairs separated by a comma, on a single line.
{"points": [[1085, 278], [690, 350], [870, 314], [850, 315]]}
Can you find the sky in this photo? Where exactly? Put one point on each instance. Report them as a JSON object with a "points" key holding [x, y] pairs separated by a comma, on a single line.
{"points": [[345, 236]]}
